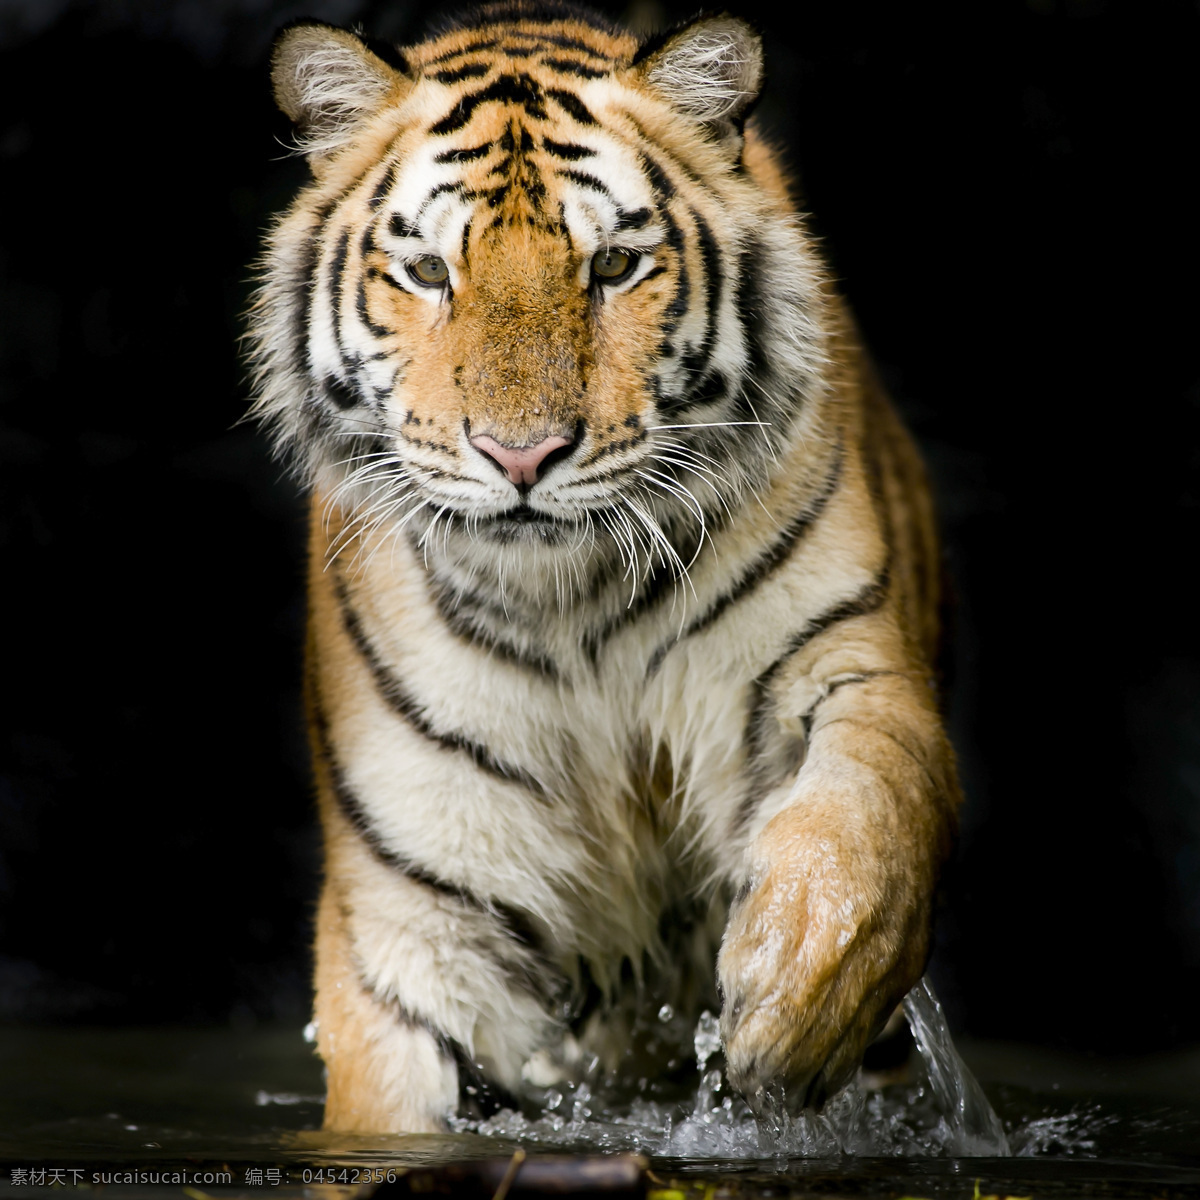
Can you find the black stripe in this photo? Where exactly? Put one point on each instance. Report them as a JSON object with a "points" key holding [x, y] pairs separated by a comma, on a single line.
{"points": [[309, 263], [399, 227], [678, 307], [572, 105], [534, 43], [764, 566], [342, 394], [356, 816], [660, 181], [464, 155], [376, 273], [809, 717], [360, 304], [568, 150], [337, 269], [629, 219], [458, 74], [383, 187], [570, 43], [367, 242], [494, 196], [588, 181], [710, 255], [451, 609], [440, 190], [713, 390], [868, 600], [651, 595], [405, 706], [679, 303], [531, 178], [849, 680], [304, 289], [569, 67], [670, 406], [449, 54], [478, 1097], [508, 89], [515, 924], [653, 273], [360, 291], [751, 307]]}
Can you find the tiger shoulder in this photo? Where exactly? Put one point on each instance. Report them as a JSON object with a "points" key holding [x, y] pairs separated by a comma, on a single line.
{"points": [[623, 574]]}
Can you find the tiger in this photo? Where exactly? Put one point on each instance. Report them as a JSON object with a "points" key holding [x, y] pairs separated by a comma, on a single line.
{"points": [[623, 580]]}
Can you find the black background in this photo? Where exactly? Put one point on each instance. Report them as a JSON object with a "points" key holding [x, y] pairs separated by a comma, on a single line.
{"points": [[1006, 193]]}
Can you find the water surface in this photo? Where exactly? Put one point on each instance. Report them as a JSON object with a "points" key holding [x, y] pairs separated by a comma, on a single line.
{"points": [[251, 1100]]}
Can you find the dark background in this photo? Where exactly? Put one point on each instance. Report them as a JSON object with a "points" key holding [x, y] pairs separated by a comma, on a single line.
{"points": [[1006, 193]]}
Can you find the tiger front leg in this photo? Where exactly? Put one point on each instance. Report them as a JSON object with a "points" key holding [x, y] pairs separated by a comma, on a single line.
{"points": [[414, 987], [832, 923], [385, 1073]]}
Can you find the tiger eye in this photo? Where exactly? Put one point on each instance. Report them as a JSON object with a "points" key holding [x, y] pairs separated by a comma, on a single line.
{"points": [[429, 270], [611, 265]]}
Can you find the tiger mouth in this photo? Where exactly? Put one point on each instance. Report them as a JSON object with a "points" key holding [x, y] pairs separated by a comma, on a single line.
{"points": [[522, 515], [522, 525]]}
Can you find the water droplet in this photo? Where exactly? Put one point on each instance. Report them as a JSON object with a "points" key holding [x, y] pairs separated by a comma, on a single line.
{"points": [[553, 1099], [665, 1013], [310, 1032], [707, 1040]]}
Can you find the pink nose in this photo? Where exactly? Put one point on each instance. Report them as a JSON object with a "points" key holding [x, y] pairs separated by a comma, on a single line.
{"points": [[522, 464]]}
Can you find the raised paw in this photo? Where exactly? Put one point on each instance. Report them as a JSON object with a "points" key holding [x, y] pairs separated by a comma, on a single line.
{"points": [[826, 938]]}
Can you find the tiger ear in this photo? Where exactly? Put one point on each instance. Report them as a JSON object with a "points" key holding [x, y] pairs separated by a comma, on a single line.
{"points": [[328, 83], [712, 69]]}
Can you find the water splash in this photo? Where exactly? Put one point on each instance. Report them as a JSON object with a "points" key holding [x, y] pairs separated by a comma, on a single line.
{"points": [[1063, 1134], [945, 1113], [972, 1124]]}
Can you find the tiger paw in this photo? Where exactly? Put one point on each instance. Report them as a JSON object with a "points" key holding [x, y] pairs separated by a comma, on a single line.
{"points": [[816, 954]]}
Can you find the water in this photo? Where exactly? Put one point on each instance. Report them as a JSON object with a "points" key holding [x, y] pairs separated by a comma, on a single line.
{"points": [[252, 1099], [970, 1123], [943, 1112]]}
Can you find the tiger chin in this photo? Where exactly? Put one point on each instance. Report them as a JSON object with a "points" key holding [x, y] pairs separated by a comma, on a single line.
{"points": [[623, 577]]}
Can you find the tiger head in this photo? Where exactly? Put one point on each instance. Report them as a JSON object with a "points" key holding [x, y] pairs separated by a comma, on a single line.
{"points": [[544, 289]]}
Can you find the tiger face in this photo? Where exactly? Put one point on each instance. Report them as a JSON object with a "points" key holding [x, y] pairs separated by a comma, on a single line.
{"points": [[521, 303], [527, 300]]}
